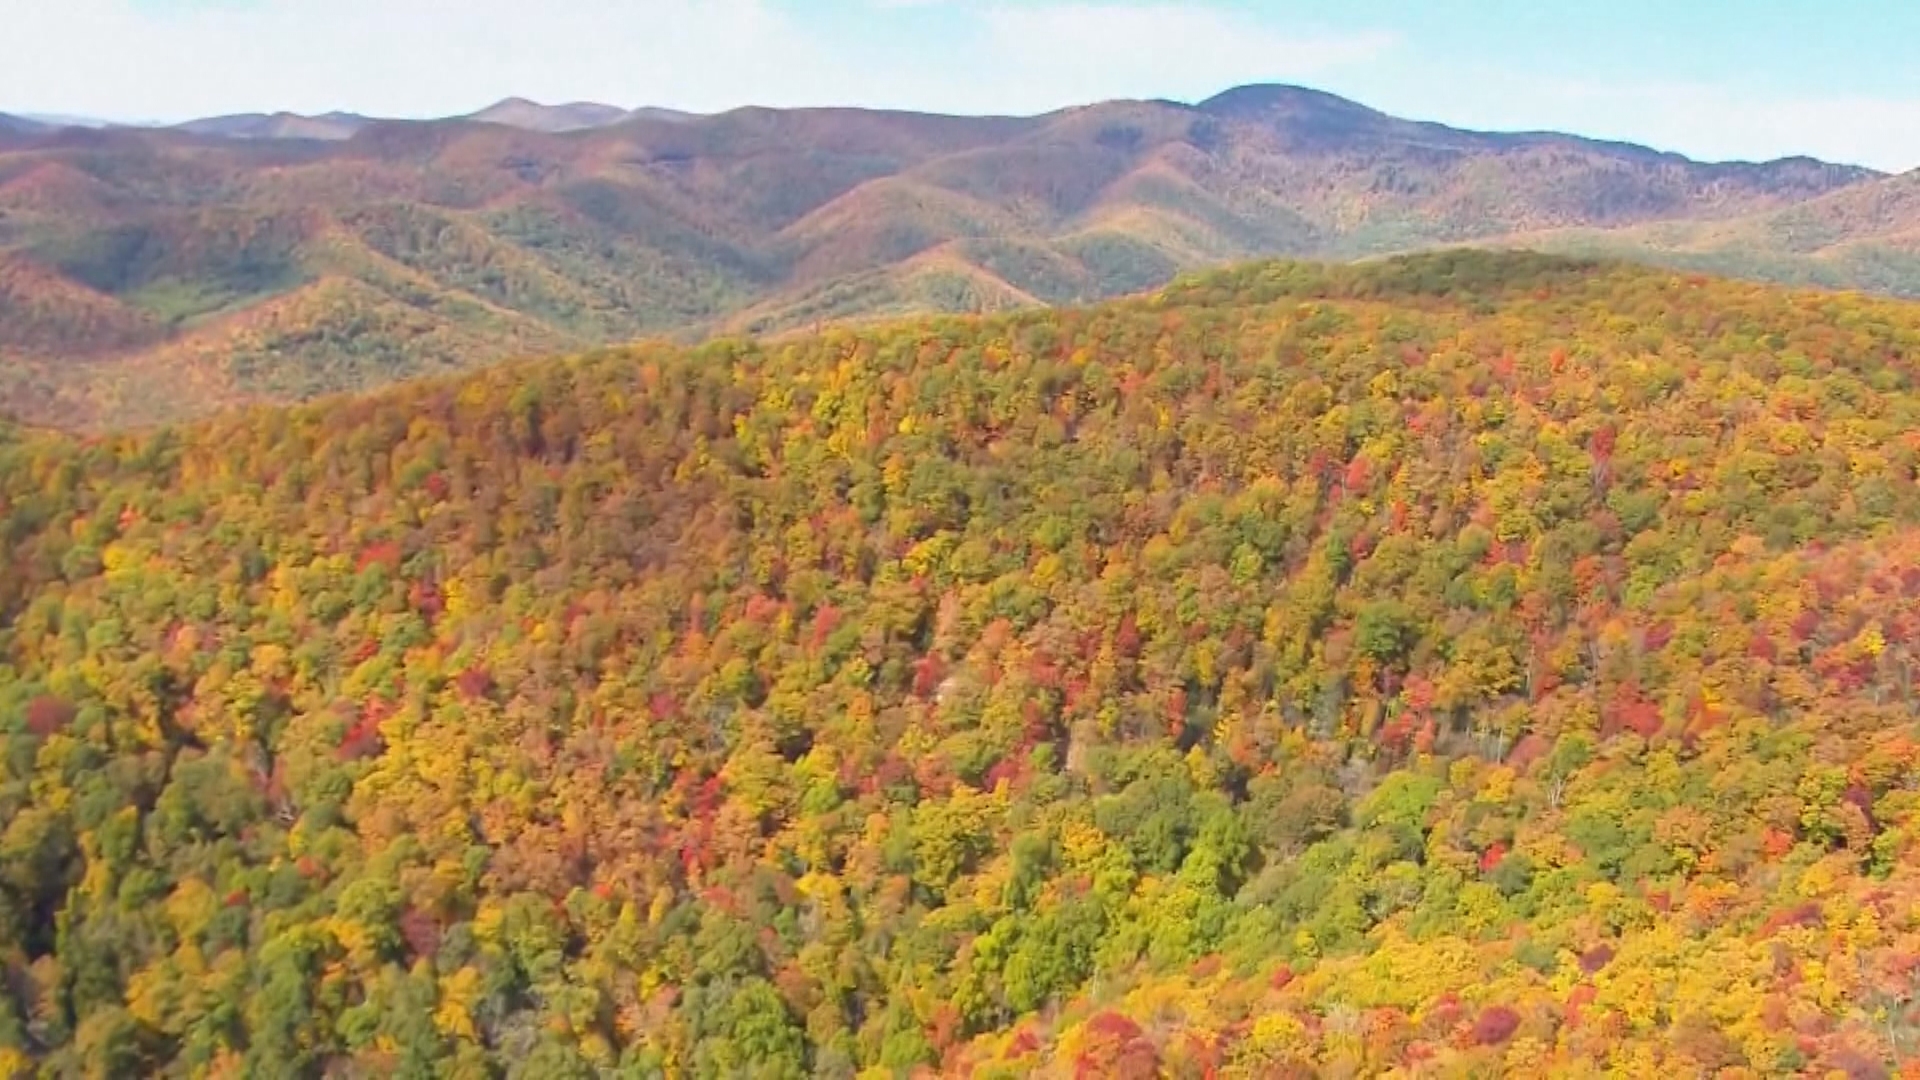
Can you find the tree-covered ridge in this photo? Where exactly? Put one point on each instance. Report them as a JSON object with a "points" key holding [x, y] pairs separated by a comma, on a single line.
{"points": [[1461, 665]]}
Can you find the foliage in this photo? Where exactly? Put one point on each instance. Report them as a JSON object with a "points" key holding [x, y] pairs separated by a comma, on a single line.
{"points": [[1467, 664]]}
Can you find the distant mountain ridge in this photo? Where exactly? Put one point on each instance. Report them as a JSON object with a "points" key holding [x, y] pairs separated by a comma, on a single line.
{"points": [[336, 126], [331, 126], [533, 116], [275, 256]]}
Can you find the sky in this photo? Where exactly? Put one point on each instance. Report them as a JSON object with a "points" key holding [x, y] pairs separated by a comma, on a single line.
{"points": [[1715, 79]]}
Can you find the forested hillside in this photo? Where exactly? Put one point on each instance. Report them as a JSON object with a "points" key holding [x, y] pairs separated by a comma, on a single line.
{"points": [[151, 275], [1463, 665]]}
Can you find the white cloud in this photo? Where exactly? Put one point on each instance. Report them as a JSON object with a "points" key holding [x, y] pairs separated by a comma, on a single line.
{"points": [[413, 57], [139, 59]]}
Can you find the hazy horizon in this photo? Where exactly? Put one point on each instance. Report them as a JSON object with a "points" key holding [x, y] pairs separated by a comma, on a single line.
{"points": [[103, 121], [1773, 81]]}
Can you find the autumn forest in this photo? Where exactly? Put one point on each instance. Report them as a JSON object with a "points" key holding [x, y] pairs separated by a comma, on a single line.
{"points": [[1457, 665]]}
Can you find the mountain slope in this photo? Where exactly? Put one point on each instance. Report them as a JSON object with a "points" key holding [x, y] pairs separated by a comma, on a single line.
{"points": [[20, 125], [668, 224], [654, 112], [1462, 665], [1865, 236]]}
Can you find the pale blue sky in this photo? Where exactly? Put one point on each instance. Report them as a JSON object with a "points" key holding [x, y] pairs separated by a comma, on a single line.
{"points": [[1711, 78]]}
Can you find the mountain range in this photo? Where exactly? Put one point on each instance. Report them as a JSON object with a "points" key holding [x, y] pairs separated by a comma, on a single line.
{"points": [[513, 112], [148, 274]]}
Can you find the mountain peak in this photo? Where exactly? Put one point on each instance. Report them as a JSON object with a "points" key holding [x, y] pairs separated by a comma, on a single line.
{"points": [[1268, 98], [1306, 117]]}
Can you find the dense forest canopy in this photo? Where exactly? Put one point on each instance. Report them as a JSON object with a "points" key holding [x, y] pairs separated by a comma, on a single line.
{"points": [[1456, 665]]}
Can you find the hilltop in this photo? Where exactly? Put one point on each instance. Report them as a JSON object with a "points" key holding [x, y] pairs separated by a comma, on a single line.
{"points": [[168, 273], [1480, 665]]}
